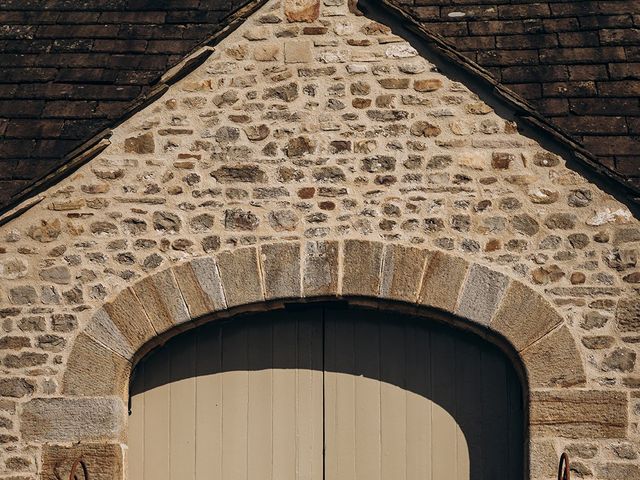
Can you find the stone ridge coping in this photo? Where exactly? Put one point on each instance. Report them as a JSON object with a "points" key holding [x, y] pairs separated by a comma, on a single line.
{"points": [[246, 279], [523, 110], [97, 143]]}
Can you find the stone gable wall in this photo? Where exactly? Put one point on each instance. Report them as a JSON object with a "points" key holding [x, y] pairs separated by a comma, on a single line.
{"points": [[311, 124]]}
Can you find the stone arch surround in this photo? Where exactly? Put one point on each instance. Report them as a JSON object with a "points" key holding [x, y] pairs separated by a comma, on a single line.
{"points": [[250, 278], [92, 408]]}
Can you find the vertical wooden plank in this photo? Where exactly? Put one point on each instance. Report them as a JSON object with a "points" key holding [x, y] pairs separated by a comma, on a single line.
{"points": [[156, 426], [284, 398], [515, 423], [135, 452], [494, 414], [330, 396], [235, 391], [260, 364], [444, 428], [367, 396], [393, 418], [419, 405], [468, 382], [209, 403], [339, 396], [309, 422], [182, 408]]}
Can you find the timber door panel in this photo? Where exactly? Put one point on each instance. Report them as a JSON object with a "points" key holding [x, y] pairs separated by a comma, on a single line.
{"points": [[408, 400], [325, 394], [241, 400]]}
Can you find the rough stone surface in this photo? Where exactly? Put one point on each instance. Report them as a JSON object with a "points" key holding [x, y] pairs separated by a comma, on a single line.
{"points": [[104, 461], [199, 283], [59, 420], [240, 276], [362, 261], [94, 370], [162, 301], [254, 158], [281, 270], [402, 272], [320, 268], [128, 315], [442, 281], [579, 414], [481, 294], [524, 316], [554, 361]]}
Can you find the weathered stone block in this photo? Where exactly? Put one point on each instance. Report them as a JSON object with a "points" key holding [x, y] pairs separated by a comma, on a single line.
{"points": [[579, 413], [199, 283], [524, 316], [297, 51], [320, 268], [16, 387], [240, 276], [78, 419], [544, 459], [128, 315], [402, 271], [362, 262], [141, 144], [442, 281], [281, 270], [554, 361], [160, 296], [481, 294], [103, 461], [628, 315], [94, 370]]}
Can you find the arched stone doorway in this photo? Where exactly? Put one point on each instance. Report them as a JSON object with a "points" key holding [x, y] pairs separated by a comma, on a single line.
{"points": [[379, 275], [326, 391]]}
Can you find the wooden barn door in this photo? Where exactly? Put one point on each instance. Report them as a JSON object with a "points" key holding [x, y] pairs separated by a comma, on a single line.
{"points": [[325, 394]]}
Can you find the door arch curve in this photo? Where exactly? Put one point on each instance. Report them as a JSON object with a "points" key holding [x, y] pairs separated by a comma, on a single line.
{"points": [[392, 397]]}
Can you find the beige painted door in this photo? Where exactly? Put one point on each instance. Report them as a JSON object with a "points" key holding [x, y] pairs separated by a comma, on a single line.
{"points": [[325, 393]]}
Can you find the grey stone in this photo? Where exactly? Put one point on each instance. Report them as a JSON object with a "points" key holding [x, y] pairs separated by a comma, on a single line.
{"points": [[361, 264], [281, 270], [320, 268], [59, 420], [238, 219], [200, 285], [24, 295], [16, 387], [166, 222], [60, 275], [481, 294], [240, 173], [619, 360]]}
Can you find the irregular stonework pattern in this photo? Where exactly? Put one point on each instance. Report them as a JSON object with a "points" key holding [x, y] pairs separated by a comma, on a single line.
{"points": [[313, 126]]}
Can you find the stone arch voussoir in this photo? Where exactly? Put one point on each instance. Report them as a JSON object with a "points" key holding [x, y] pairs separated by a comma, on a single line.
{"points": [[362, 270]]}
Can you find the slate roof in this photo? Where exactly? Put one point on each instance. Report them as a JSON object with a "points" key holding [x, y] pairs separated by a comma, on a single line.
{"points": [[577, 62], [70, 69]]}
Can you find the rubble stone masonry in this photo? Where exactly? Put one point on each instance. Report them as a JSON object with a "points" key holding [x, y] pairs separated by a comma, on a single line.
{"points": [[315, 153]]}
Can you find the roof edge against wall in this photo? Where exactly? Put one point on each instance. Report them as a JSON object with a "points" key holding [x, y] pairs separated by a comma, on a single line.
{"points": [[508, 103], [24, 199]]}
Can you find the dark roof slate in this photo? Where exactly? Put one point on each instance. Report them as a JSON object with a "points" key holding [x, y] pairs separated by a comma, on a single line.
{"points": [[69, 69]]}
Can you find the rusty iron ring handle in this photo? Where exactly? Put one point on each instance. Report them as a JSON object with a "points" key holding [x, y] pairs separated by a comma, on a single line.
{"points": [[564, 472], [74, 467]]}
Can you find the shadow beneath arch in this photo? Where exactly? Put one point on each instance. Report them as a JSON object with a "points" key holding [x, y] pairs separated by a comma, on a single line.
{"points": [[464, 381]]}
